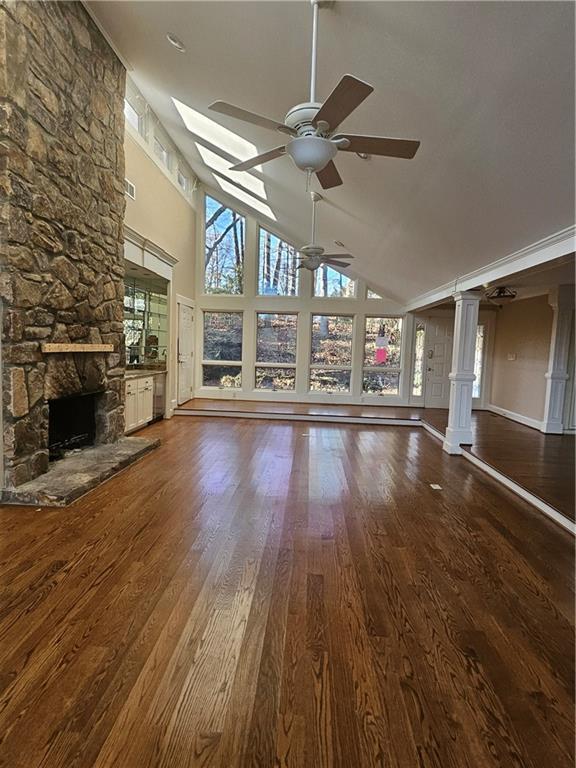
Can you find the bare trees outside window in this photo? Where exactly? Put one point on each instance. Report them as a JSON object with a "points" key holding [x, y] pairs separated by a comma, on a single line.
{"points": [[382, 347], [329, 283], [331, 353], [222, 348], [224, 249], [277, 275], [276, 350]]}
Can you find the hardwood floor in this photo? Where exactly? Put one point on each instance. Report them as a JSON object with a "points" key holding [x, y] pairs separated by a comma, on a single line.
{"points": [[287, 594], [307, 409], [543, 464]]}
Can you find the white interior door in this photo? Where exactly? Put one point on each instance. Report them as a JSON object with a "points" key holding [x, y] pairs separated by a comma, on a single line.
{"points": [[438, 361], [185, 352]]}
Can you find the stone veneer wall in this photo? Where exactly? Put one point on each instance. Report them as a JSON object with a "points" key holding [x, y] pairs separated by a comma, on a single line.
{"points": [[61, 214]]}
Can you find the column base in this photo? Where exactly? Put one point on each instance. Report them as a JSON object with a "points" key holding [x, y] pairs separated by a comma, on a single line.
{"points": [[552, 428], [455, 438]]}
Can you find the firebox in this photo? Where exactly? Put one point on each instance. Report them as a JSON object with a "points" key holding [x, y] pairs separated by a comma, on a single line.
{"points": [[71, 423]]}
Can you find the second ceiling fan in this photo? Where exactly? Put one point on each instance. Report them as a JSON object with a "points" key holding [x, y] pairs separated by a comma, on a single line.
{"points": [[312, 127], [312, 255]]}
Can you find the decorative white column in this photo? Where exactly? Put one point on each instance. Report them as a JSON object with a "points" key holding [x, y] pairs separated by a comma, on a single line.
{"points": [[459, 430], [561, 299]]}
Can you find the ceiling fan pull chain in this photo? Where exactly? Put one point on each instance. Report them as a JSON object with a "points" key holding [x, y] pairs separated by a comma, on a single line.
{"points": [[314, 198]]}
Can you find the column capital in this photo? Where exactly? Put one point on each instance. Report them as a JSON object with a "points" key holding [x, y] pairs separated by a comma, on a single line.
{"points": [[463, 295], [561, 297]]}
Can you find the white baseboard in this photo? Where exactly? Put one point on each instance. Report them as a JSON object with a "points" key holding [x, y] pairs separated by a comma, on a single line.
{"points": [[513, 416], [326, 419], [438, 435], [558, 517]]}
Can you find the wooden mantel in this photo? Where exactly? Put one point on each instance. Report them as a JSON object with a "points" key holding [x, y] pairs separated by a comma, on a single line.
{"points": [[67, 347]]}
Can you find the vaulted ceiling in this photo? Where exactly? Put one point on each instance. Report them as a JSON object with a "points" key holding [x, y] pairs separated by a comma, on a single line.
{"points": [[488, 88]]}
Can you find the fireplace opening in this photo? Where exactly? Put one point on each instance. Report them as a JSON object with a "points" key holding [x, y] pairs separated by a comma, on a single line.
{"points": [[71, 424]]}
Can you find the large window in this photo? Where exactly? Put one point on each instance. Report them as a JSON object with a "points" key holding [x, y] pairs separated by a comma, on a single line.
{"points": [[330, 283], [224, 249], [382, 355], [277, 263], [276, 350], [331, 353], [222, 352]]}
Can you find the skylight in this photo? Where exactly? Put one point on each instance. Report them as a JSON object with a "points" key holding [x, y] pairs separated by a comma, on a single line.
{"points": [[220, 164], [245, 197], [216, 134]]}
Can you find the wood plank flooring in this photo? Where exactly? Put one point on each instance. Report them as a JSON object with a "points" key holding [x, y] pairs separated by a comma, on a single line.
{"points": [[307, 409], [543, 464], [280, 594]]}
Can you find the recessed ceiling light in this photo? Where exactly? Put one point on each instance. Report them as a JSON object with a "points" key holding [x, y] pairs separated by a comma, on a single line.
{"points": [[214, 133], [176, 42], [220, 164]]}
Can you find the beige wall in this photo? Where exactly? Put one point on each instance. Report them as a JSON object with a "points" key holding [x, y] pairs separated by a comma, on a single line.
{"points": [[161, 214], [523, 328]]}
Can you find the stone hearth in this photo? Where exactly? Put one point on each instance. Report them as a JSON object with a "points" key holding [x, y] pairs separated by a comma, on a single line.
{"points": [[61, 226], [78, 473]]}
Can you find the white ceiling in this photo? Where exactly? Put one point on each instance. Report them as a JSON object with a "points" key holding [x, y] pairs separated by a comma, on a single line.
{"points": [[488, 88]]}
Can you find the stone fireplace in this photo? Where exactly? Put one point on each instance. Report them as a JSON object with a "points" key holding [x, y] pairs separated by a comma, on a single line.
{"points": [[61, 239], [71, 423]]}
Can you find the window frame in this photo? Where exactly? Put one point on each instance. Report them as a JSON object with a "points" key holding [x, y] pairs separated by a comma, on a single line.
{"points": [[478, 383], [393, 369], [419, 322], [298, 295], [259, 364], [202, 249], [186, 186], [326, 366], [165, 156], [318, 297], [221, 363]]}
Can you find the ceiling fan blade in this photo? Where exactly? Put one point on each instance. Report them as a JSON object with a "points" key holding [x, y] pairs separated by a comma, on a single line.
{"points": [[335, 263], [337, 256], [259, 159], [250, 117], [379, 145], [348, 94], [329, 176]]}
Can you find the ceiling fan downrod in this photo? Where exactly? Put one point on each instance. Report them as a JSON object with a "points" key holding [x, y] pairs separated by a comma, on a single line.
{"points": [[315, 8]]}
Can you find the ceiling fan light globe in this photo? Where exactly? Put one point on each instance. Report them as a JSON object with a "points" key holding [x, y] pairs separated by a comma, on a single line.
{"points": [[311, 153]]}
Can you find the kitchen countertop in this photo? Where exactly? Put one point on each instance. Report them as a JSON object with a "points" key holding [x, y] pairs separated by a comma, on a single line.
{"points": [[140, 373]]}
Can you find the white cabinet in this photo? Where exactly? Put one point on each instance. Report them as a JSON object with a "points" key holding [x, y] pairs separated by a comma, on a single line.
{"points": [[139, 406], [145, 400], [131, 405]]}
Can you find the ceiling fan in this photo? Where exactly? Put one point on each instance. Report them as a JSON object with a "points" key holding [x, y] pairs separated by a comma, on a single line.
{"points": [[312, 127], [312, 255]]}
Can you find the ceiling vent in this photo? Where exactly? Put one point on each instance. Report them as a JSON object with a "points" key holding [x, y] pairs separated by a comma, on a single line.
{"points": [[130, 189]]}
